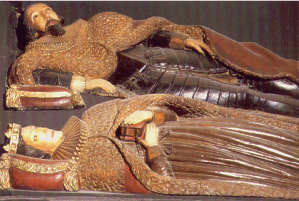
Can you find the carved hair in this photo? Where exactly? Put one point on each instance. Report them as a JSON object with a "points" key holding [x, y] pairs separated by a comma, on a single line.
{"points": [[28, 150], [31, 33], [24, 32]]}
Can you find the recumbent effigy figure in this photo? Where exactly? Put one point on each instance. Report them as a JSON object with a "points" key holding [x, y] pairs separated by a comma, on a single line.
{"points": [[158, 144], [88, 55]]}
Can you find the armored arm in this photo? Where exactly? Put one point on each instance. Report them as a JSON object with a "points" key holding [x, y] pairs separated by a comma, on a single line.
{"points": [[167, 39], [35, 72], [22, 69], [137, 31]]}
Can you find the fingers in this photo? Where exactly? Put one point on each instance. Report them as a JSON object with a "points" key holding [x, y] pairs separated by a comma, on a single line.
{"points": [[151, 135], [101, 83], [206, 47], [195, 44], [79, 84], [138, 116], [198, 45], [144, 143], [199, 49]]}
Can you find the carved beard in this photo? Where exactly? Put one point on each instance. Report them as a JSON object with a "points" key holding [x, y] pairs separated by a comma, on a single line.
{"points": [[55, 27]]}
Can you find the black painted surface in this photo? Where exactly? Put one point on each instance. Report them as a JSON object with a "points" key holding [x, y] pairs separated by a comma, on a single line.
{"points": [[271, 24]]}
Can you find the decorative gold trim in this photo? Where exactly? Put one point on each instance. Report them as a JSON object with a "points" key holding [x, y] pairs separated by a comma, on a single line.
{"points": [[70, 181], [13, 97], [38, 94], [4, 172], [12, 133], [14, 94], [38, 168], [77, 100], [71, 178]]}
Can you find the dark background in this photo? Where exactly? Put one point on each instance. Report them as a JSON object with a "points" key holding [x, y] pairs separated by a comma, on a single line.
{"points": [[271, 24]]}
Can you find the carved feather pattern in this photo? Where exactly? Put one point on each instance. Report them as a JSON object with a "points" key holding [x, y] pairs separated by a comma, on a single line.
{"points": [[75, 133]]}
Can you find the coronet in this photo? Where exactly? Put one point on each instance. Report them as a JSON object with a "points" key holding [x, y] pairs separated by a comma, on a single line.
{"points": [[12, 133]]}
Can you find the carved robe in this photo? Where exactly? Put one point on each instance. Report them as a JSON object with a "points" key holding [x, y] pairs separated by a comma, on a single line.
{"points": [[211, 151]]}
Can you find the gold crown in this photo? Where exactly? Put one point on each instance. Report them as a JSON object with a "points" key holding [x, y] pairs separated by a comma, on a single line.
{"points": [[12, 133]]}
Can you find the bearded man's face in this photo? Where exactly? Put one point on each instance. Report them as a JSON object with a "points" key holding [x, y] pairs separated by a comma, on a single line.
{"points": [[43, 19]]}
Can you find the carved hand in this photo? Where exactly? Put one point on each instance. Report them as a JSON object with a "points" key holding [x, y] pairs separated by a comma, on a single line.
{"points": [[198, 45], [138, 117], [79, 84], [151, 135]]}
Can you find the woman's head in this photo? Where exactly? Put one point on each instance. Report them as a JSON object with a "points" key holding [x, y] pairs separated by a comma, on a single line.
{"points": [[28, 150], [42, 138], [33, 141]]}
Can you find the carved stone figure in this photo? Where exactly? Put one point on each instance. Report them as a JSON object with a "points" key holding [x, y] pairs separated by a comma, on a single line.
{"points": [[159, 144], [88, 53]]}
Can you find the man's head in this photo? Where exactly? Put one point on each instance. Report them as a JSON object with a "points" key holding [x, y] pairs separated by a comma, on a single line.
{"points": [[40, 19]]}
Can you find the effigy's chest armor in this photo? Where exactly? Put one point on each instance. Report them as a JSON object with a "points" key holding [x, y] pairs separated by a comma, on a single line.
{"points": [[188, 74]]}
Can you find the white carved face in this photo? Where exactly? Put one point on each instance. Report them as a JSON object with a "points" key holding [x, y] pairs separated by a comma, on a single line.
{"points": [[41, 138]]}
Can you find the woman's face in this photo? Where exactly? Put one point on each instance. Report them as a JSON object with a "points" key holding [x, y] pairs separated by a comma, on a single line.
{"points": [[41, 138]]}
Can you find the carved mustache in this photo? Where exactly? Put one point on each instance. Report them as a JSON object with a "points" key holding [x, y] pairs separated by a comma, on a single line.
{"points": [[54, 27]]}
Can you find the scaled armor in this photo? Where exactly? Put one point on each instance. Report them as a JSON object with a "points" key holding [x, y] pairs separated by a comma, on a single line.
{"points": [[207, 150], [234, 74]]}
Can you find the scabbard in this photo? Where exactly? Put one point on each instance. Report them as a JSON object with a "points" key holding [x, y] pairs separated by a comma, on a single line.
{"points": [[42, 97]]}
